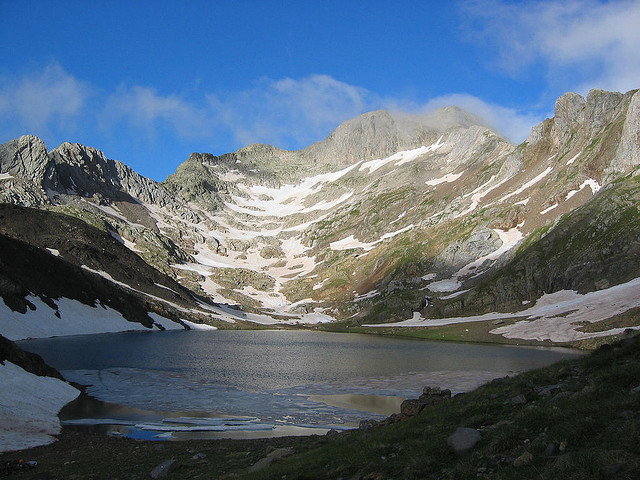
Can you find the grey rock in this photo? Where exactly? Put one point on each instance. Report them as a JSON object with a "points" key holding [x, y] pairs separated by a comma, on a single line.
{"points": [[628, 154], [482, 241], [367, 424], [548, 390], [569, 115], [411, 407], [551, 450], [164, 469], [276, 454], [463, 439], [518, 400]]}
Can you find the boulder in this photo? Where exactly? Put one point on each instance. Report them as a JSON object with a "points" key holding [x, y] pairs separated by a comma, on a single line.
{"points": [[430, 396], [164, 469], [276, 454]]}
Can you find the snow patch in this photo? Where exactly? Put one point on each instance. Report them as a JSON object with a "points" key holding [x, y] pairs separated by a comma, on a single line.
{"points": [[448, 178], [400, 158], [29, 406], [555, 317], [595, 187], [6, 176], [454, 295], [130, 245], [165, 323], [54, 252], [547, 210], [351, 242], [479, 193], [198, 326], [399, 218], [527, 185], [509, 239], [365, 296], [450, 285], [569, 162], [76, 319], [319, 285]]}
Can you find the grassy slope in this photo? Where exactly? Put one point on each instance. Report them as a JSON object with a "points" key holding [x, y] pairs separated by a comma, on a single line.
{"points": [[593, 417]]}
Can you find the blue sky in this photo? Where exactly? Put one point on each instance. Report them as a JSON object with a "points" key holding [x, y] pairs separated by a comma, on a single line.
{"points": [[149, 82]]}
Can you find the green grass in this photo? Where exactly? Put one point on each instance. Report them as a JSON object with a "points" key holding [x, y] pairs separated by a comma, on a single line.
{"points": [[593, 415]]}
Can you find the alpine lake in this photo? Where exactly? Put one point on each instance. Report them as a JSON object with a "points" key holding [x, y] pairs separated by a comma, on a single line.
{"points": [[178, 385]]}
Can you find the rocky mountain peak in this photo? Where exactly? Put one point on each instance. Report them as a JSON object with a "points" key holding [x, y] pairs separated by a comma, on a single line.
{"points": [[84, 170], [25, 156], [381, 133], [569, 111]]}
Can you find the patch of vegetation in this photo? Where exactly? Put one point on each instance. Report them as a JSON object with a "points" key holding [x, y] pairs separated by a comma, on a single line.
{"points": [[533, 237], [630, 318], [472, 332], [232, 278]]}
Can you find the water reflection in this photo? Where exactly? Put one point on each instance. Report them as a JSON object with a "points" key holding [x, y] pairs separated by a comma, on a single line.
{"points": [[285, 379]]}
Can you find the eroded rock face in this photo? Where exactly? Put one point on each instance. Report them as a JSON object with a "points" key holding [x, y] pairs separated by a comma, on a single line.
{"points": [[27, 171], [482, 241], [628, 154]]}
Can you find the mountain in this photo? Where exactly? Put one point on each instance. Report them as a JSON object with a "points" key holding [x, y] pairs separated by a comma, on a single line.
{"points": [[394, 220]]}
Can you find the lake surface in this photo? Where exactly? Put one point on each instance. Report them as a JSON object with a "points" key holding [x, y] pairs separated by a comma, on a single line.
{"points": [[186, 384]]}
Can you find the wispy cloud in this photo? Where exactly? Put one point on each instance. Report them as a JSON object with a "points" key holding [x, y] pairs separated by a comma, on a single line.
{"points": [[289, 111], [146, 110], [49, 99], [509, 122], [585, 43]]}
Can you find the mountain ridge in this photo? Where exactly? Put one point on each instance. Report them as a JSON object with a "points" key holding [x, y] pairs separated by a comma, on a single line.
{"points": [[380, 222]]}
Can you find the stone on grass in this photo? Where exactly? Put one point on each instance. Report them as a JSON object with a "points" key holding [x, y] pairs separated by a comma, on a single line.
{"points": [[411, 407], [551, 450], [276, 454], [164, 469], [463, 439], [518, 400]]}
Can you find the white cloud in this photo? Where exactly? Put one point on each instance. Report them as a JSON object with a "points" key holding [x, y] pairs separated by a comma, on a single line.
{"points": [[41, 100], [507, 121], [289, 113], [145, 109], [293, 112], [587, 43]]}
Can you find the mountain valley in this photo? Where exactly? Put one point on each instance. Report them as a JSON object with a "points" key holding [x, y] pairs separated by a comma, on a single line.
{"points": [[393, 220]]}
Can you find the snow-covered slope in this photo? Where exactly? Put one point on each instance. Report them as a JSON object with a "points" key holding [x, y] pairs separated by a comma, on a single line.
{"points": [[29, 406], [391, 217], [32, 393]]}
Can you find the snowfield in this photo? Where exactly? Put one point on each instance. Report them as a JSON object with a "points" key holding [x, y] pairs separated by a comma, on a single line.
{"points": [[557, 316], [29, 407], [75, 319]]}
